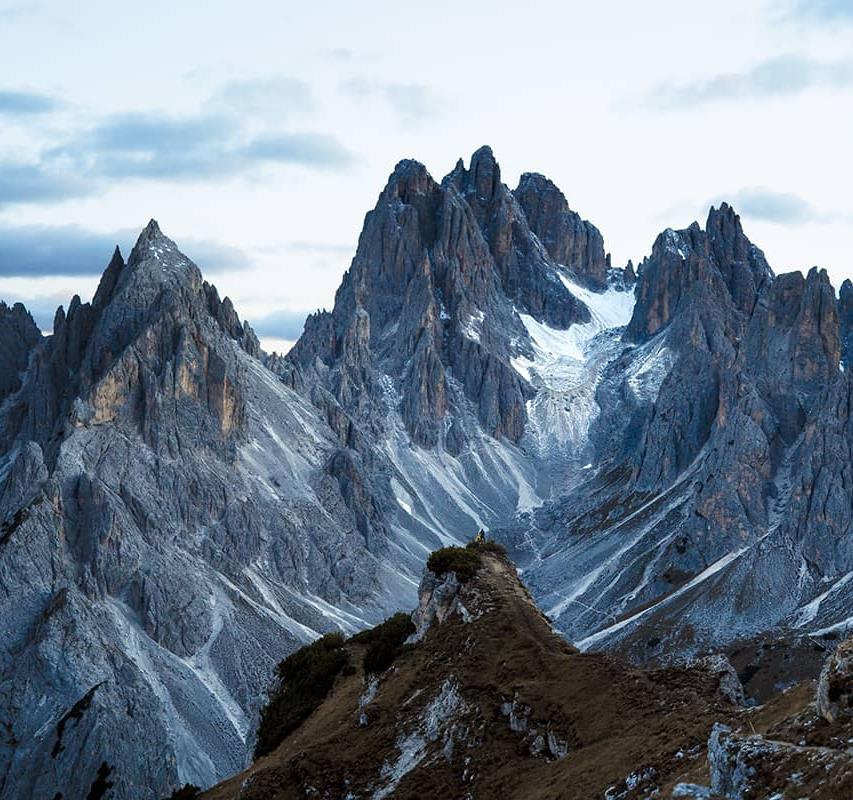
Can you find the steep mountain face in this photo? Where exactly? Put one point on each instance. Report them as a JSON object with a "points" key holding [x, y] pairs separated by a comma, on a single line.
{"points": [[721, 508], [20, 336], [487, 701], [665, 451], [170, 527]]}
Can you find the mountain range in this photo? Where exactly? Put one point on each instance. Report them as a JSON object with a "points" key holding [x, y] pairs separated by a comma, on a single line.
{"points": [[665, 452]]}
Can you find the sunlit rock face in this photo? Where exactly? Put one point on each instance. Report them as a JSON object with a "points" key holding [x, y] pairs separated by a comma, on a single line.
{"points": [[665, 451]]}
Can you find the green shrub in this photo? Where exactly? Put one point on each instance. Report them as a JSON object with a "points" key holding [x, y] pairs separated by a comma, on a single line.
{"points": [[187, 792], [463, 561], [304, 680], [384, 642], [487, 546]]}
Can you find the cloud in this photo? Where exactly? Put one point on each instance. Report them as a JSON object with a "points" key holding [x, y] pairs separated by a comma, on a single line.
{"points": [[282, 324], [273, 97], [308, 149], [784, 208], [776, 77], [411, 102], [817, 10], [40, 182], [32, 251], [328, 248], [152, 146], [12, 13], [15, 103], [214, 257]]}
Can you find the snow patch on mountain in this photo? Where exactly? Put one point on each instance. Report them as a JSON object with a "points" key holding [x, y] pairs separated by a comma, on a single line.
{"points": [[565, 370]]}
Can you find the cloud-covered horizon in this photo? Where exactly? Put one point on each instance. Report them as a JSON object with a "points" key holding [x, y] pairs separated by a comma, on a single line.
{"points": [[37, 251]]}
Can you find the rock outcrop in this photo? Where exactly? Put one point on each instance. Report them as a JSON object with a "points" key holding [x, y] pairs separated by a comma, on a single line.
{"points": [[173, 519], [569, 240], [835, 687], [18, 336]]}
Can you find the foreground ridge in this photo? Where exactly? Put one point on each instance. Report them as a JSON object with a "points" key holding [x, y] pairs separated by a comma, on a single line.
{"points": [[486, 701]]}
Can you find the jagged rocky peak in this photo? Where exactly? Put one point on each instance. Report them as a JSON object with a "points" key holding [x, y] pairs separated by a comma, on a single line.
{"points": [[441, 274], [569, 240], [800, 345], [845, 320], [718, 263], [743, 266], [148, 339], [19, 334]]}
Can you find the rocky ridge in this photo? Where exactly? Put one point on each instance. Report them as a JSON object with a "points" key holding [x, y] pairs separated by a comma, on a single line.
{"points": [[487, 701]]}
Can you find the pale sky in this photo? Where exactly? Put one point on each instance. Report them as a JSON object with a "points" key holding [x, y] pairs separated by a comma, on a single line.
{"points": [[259, 133]]}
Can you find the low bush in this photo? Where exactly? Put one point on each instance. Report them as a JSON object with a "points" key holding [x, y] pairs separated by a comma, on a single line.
{"points": [[464, 561], [384, 642], [304, 680], [187, 792], [487, 546]]}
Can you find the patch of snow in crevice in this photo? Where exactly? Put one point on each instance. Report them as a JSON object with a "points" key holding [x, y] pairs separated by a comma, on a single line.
{"points": [[708, 572], [807, 613], [367, 697], [436, 722], [347, 622], [202, 667], [648, 369], [472, 327], [566, 368], [674, 243], [265, 590], [403, 498]]}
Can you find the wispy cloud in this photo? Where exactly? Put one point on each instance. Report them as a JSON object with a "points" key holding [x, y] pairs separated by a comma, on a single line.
{"points": [[37, 251], [266, 97], [786, 208], [281, 324], [15, 11], [40, 182], [411, 102], [154, 146], [17, 103], [326, 248], [41, 250], [776, 77], [816, 10]]}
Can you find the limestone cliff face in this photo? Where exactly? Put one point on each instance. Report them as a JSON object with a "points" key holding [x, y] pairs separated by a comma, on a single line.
{"points": [[433, 296], [173, 519], [19, 336], [738, 457], [569, 240]]}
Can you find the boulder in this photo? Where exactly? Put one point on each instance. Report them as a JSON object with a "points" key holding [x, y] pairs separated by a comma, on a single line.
{"points": [[835, 686]]}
